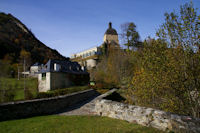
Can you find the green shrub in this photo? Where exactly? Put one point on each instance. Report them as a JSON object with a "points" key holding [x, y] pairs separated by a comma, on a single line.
{"points": [[8, 95], [59, 92], [28, 94]]}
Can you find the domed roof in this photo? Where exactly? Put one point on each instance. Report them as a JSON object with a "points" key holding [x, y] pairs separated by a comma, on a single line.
{"points": [[110, 30]]}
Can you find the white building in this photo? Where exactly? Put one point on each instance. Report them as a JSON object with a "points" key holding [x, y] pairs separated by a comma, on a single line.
{"points": [[89, 58], [34, 69], [58, 74]]}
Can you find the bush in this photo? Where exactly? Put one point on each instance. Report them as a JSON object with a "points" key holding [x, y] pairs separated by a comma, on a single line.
{"points": [[28, 95], [8, 95], [113, 69], [59, 92], [165, 78]]}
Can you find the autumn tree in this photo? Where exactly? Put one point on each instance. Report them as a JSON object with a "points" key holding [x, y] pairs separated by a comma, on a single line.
{"points": [[114, 68], [181, 29], [167, 73], [25, 57]]}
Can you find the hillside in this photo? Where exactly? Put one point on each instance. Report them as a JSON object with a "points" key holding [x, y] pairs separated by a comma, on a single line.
{"points": [[15, 37]]}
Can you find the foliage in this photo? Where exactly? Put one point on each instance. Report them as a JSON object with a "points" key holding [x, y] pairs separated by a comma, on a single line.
{"points": [[160, 79], [12, 89], [25, 58], [59, 92], [73, 124], [112, 69], [181, 29], [167, 70], [130, 36], [7, 95]]}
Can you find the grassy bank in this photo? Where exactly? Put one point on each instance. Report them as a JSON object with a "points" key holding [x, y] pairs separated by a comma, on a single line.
{"points": [[12, 89], [72, 124]]}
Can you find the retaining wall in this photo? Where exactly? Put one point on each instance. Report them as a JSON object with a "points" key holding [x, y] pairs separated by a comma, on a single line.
{"points": [[45, 106], [147, 116]]}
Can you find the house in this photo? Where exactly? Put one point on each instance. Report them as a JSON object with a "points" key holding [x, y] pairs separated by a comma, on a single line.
{"points": [[34, 69], [89, 58], [56, 74]]}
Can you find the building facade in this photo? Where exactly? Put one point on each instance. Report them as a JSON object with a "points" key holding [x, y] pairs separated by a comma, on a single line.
{"points": [[34, 69], [57, 74], [89, 58]]}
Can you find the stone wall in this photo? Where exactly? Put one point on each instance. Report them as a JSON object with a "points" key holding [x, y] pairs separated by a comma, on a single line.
{"points": [[111, 38], [45, 106], [147, 116]]}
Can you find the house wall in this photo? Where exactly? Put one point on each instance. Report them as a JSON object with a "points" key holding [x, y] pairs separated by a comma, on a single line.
{"points": [[60, 80], [90, 63], [44, 83], [34, 70]]}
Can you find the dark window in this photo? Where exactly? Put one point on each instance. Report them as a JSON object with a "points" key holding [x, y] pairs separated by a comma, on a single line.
{"points": [[43, 76]]}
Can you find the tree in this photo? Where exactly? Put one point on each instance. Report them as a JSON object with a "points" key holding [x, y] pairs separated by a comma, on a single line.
{"points": [[24, 55], [168, 69], [113, 68], [181, 29], [130, 36], [25, 58]]}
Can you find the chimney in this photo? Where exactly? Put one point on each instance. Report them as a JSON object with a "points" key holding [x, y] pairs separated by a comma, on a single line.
{"points": [[110, 25]]}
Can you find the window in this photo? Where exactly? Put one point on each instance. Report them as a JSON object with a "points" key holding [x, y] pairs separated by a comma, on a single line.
{"points": [[43, 76], [56, 67]]}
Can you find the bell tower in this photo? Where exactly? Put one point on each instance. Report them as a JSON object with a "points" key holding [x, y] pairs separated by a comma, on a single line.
{"points": [[111, 35]]}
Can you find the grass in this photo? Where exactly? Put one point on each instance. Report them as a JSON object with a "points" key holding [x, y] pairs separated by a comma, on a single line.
{"points": [[14, 83], [72, 124], [16, 87]]}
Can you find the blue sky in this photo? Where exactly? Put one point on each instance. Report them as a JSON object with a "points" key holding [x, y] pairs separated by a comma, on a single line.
{"points": [[70, 26]]}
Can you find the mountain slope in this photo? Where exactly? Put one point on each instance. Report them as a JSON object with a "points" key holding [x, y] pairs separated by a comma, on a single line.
{"points": [[15, 37]]}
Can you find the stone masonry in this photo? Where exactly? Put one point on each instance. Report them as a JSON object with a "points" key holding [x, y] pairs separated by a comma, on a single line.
{"points": [[44, 106], [147, 116]]}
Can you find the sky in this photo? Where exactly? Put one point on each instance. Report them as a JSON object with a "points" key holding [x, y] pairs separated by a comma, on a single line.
{"points": [[71, 26]]}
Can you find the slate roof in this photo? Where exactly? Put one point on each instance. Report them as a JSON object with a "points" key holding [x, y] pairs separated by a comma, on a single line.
{"points": [[110, 30], [36, 64], [66, 66]]}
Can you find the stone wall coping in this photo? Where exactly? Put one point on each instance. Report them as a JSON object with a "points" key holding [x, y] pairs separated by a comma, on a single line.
{"points": [[44, 99], [44, 106], [146, 116], [106, 94]]}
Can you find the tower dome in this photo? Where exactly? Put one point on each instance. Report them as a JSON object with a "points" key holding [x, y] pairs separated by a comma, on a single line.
{"points": [[111, 35], [110, 30]]}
